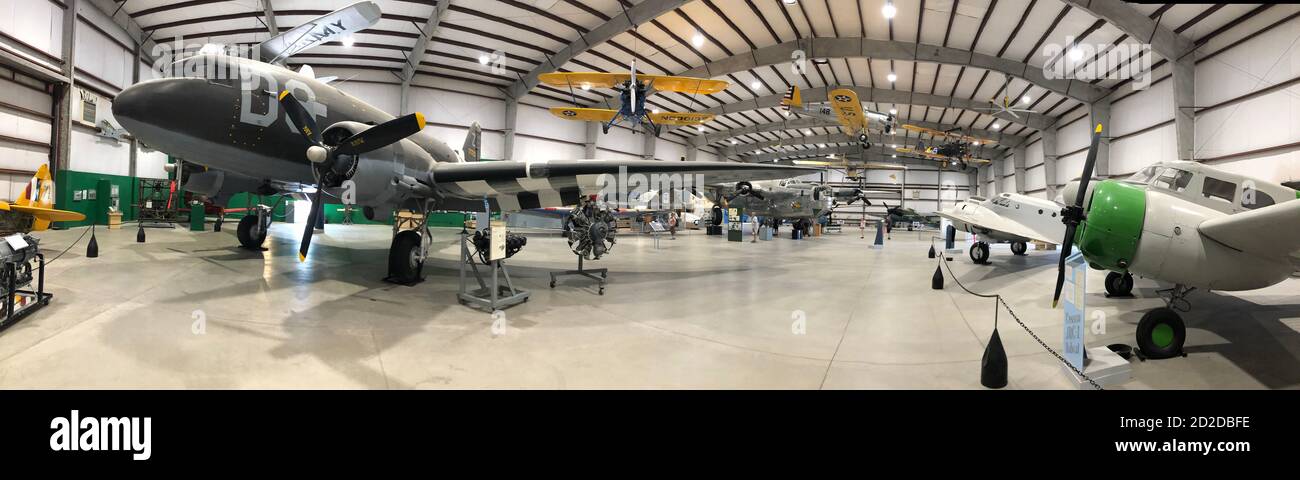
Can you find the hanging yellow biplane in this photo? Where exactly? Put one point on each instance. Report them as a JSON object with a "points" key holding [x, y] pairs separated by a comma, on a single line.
{"points": [[844, 107], [633, 90], [956, 149]]}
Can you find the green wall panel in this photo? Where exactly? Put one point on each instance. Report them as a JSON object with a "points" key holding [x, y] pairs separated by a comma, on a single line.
{"points": [[68, 181]]}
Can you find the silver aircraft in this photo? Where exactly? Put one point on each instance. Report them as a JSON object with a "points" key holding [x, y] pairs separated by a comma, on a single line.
{"points": [[262, 128]]}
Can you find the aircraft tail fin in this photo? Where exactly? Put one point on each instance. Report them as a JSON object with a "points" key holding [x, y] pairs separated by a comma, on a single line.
{"points": [[39, 194], [473, 144], [791, 99], [335, 25]]}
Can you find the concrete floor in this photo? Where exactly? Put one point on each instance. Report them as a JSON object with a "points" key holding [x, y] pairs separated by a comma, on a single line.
{"points": [[700, 312]]}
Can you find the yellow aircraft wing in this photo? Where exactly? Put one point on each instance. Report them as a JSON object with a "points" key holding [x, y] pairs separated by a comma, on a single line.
{"points": [[923, 153], [584, 114], [849, 110], [47, 214], [687, 85], [941, 133], [674, 118]]}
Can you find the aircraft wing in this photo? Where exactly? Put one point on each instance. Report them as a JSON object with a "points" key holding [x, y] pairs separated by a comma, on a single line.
{"points": [[516, 185], [686, 85], [941, 133], [47, 214], [584, 114], [1270, 232], [984, 218], [674, 118], [848, 110], [326, 28]]}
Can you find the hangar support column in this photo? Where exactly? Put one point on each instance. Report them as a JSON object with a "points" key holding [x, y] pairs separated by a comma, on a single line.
{"points": [[1099, 112], [512, 118], [593, 134], [65, 93], [1049, 161], [1018, 165], [1184, 106]]}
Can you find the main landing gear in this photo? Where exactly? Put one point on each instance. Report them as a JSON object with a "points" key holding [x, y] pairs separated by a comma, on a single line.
{"points": [[1161, 332], [253, 227], [979, 253], [408, 251], [1119, 284], [1019, 248]]}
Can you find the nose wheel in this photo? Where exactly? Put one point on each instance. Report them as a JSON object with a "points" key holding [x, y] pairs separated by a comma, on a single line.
{"points": [[979, 253]]}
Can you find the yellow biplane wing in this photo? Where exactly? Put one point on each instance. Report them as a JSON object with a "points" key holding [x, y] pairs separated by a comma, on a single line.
{"points": [[848, 109], [674, 118], [41, 213], [941, 133], [584, 114], [686, 85]]}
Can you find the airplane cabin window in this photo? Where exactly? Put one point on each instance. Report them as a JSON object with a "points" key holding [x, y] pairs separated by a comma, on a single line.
{"points": [[1143, 176], [1173, 179], [1253, 199], [1215, 188]]}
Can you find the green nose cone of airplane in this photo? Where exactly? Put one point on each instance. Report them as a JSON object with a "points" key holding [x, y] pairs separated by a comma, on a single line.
{"points": [[1109, 237]]}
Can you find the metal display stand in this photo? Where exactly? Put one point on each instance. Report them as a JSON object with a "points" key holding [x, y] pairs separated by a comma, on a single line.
{"points": [[589, 273], [495, 297], [33, 300], [159, 205]]}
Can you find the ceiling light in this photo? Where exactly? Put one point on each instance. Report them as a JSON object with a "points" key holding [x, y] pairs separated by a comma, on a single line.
{"points": [[483, 59], [893, 111], [348, 41], [1076, 54], [733, 142], [697, 40], [821, 61], [807, 132], [892, 77], [976, 143], [895, 155], [894, 146], [654, 111], [586, 87], [700, 128], [755, 85], [212, 49], [1026, 99], [889, 11], [789, 2], [996, 126]]}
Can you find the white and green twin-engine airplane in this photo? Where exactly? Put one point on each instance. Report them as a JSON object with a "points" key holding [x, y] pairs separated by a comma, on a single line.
{"points": [[1183, 223], [260, 127]]}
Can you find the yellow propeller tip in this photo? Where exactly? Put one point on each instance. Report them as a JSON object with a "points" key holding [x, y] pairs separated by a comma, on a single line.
{"points": [[301, 257], [419, 117], [1053, 304], [1098, 128]]}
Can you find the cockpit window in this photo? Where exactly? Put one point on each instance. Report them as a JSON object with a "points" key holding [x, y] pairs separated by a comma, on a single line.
{"points": [[1252, 199], [1143, 176], [1215, 188], [1173, 179]]}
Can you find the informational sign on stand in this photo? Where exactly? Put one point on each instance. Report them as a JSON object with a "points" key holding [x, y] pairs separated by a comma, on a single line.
{"points": [[498, 245], [1073, 295]]}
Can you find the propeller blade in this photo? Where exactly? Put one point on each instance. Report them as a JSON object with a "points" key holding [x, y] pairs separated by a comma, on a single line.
{"points": [[301, 118], [382, 135], [311, 224], [1073, 214]]}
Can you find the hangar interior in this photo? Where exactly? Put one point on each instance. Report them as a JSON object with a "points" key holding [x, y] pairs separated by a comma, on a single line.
{"points": [[845, 299]]}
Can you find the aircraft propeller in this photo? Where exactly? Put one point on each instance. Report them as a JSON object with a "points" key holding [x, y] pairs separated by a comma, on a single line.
{"points": [[326, 156], [744, 188], [1073, 213]]}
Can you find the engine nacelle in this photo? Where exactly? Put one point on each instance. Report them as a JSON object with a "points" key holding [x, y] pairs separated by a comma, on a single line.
{"points": [[377, 179]]}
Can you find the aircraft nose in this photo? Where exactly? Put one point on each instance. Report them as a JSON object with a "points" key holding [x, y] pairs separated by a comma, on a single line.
{"points": [[150, 108]]}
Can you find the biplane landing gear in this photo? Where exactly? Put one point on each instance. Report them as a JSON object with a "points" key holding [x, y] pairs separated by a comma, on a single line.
{"points": [[1161, 332], [252, 228], [979, 253], [604, 128]]}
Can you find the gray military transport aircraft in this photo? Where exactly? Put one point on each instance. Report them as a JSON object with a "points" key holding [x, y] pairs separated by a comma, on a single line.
{"points": [[262, 128]]}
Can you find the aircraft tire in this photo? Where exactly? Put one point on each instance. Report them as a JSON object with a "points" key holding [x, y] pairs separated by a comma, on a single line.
{"points": [[1019, 248], [1119, 284], [1161, 333], [403, 263], [250, 235], [979, 252]]}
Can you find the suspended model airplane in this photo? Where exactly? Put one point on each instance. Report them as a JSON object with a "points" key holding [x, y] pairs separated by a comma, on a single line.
{"points": [[844, 107], [956, 150], [32, 211], [1184, 223], [1008, 217], [632, 92], [290, 130]]}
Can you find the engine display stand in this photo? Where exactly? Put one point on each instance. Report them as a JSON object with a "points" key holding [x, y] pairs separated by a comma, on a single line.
{"points": [[494, 297], [14, 310], [589, 273]]}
